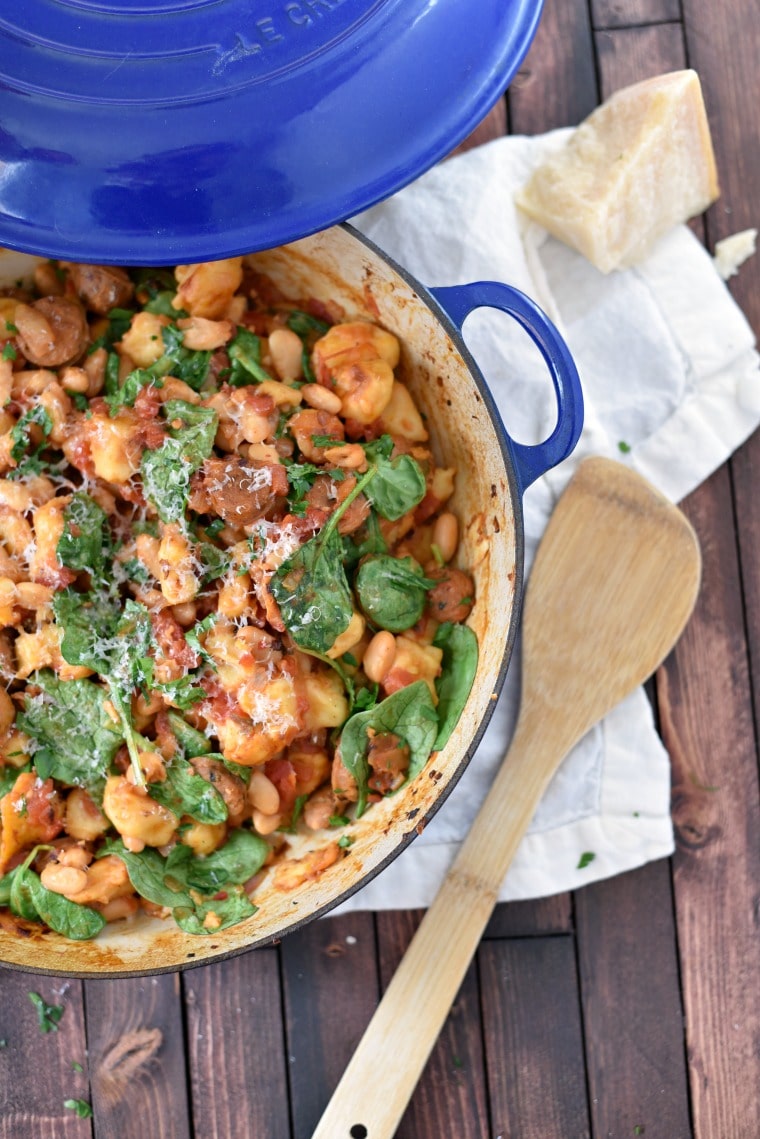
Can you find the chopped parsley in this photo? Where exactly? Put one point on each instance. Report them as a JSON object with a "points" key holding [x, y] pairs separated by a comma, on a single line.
{"points": [[585, 859], [21, 434], [48, 1016], [80, 1106]]}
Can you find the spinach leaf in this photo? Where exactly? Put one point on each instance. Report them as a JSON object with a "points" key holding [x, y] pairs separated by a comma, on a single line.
{"points": [[111, 382], [21, 900], [459, 665], [99, 633], [152, 280], [392, 592], [5, 887], [310, 586], [410, 714], [190, 740], [119, 320], [86, 538], [244, 352], [78, 923], [238, 769], [227, 911], [214, 528], [184, 364], [365, 698], [398, 486], [76, 738], [214, 561], [183, 692], [371, 542], [147, 873], [304, 324], [166, 472], [161, 302], [126, 395], [135, 571], [191, 414], [114, 641], [239, 859], [298, 806], [312, 592], [309, 329], [186, 792], [8, 777]]}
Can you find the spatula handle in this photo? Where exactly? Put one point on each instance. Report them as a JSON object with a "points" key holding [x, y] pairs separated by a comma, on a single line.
{"points": [[409, 1018]]}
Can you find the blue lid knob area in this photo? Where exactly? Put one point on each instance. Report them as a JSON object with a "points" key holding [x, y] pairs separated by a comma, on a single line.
{"points": [[157, 131]]}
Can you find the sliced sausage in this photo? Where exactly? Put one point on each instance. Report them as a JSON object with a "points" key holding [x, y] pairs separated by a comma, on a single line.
{"points": [[101, 287], [239, 490]]}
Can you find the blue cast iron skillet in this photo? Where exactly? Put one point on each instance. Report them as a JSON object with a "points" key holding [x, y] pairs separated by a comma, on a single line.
{"points": [[493, 472]]}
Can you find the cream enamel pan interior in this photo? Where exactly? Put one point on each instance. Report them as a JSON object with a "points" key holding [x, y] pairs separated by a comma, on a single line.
{"points": [[338, 265]]}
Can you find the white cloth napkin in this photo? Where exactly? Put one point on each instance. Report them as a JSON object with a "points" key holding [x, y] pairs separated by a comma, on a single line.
{"points": [[671, 383]]}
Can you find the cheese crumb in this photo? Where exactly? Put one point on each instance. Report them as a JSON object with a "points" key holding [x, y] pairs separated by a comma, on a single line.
{"points": [[733, 251], [640, 164]]}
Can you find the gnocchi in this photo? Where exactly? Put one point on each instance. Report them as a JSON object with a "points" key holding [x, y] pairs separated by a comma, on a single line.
{"points": [[228, 583]]}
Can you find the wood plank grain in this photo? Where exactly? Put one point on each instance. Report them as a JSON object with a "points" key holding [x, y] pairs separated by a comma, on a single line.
{"points": [[712, 718], [236, 1047], [36, 1074], [632, 1002], [723, 43], [533, 918], [330, 989], [707, 724], [451, 1096], [533, 1038], [734, 27], [629, 13], [556, 85], [137, 1057], [631, 54], [632, 1012]]}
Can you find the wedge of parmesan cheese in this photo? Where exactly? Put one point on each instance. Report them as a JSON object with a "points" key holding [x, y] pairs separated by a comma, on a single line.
{"points": [[639, 164]]}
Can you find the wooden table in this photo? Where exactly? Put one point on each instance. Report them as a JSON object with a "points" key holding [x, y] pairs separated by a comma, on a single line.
{"points": [[628, 1008]]}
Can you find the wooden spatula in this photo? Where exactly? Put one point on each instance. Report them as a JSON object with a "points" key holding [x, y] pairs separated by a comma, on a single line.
{"points": [[613, 584]]}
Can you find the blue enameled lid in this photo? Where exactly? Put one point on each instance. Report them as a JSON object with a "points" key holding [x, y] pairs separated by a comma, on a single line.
{"points": [[158, 131]]}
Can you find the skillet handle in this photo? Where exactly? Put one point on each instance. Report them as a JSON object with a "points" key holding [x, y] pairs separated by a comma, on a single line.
{"points": [[530, 462]]}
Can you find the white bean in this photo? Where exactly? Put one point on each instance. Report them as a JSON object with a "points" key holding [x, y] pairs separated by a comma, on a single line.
{"points": [[286, 350], [266, 824], [63, 879], [446, 535], [262, 794], [379, 656]]}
